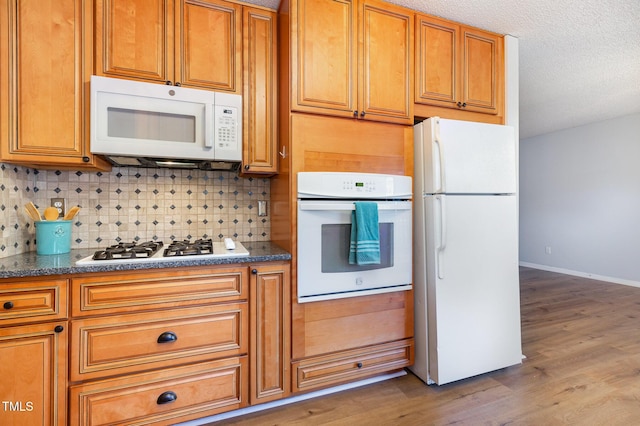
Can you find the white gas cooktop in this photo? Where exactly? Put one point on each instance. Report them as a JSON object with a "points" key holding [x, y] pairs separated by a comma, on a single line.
{"points": [[219, 250]]}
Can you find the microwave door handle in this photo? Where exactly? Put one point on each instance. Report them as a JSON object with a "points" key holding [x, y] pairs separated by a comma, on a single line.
{"points": [[209, 123]]}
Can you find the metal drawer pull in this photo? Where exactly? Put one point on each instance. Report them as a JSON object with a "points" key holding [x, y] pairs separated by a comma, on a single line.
{"points": [[8, 305], [166, 397], [359, 365], [167, 337]]}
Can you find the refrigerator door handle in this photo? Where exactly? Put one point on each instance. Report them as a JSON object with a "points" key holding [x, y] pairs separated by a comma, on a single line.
{"points": [[440, 167], [442, 243]]}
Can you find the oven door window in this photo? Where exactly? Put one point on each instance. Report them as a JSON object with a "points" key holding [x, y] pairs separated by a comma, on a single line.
{"points": [[335, 248]]}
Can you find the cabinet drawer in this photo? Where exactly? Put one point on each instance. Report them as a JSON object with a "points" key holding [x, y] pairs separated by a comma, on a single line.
{"points": [[329, 370], [129, 292], [31, 301], [108, 346], [188, 392]]}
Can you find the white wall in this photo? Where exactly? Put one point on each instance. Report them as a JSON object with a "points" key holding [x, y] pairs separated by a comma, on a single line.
{"points": [[580, 196]]}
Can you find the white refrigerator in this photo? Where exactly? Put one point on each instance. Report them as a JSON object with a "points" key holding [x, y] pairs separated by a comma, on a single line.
{"points": [[466, 282]]}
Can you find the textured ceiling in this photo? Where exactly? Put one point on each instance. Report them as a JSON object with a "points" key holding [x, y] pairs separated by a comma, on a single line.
{"points": [[579, 60]]}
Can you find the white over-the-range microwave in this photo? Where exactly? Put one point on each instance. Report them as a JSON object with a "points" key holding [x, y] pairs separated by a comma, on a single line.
{"points": [[152, 125]]}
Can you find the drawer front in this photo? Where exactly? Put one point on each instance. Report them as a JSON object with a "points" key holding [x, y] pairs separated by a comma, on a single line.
{"points": [[163, 397], [120, 344], [132, 292], [330, 370], [33, 301]]}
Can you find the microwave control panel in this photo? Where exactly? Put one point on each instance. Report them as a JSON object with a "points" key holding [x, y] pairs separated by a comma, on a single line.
{"points": [[226, 129]]}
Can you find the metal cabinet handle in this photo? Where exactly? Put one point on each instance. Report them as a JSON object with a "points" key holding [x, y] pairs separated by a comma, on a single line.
{"points": [[355, 113], [58, 329], [359, 365], [362, 113], [166, 397], [254, 271], [8, 305], [167, 337]]}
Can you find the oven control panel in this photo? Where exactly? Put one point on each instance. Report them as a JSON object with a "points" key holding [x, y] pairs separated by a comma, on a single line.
{"points": [[353, 185]]}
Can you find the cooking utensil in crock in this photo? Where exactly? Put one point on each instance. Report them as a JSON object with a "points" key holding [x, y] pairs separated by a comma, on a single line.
{"points": [[51, 213], [33, 211], [73, 211]]}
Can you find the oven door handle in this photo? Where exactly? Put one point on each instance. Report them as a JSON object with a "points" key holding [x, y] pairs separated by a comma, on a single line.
{"points": [[319, 205]]}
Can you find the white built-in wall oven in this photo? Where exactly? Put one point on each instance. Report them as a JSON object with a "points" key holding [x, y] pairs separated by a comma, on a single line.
{"points": [[326, 201]]}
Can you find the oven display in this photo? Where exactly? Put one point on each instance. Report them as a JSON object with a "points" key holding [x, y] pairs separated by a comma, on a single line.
{"points": [[359, 184]]}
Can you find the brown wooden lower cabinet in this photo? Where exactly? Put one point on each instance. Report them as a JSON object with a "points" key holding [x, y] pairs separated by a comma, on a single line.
{"points": [[342, 367], [33, 372], [162, 397], [108, 346], [269, 349]]}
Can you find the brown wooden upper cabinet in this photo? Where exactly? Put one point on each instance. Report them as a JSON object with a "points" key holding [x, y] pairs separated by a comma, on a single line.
{"points": [[352, 58], [458, 67], [260, 102], [42, 90], [189, 43]]}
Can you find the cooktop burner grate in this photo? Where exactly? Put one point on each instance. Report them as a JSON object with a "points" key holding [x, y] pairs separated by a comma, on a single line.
{"points": [[188, 248], [128, 251]]}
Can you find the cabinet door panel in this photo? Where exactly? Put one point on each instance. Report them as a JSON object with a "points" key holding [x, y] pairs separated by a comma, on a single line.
{"points": [[270, 373], [41, 84], [209, 45], [33, 371], [480, 71], [260, 95], [436, 71], [324, 57], [385, 86], [132, 39]]}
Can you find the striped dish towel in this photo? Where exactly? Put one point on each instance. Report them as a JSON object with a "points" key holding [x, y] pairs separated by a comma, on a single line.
{"points": [[364, 247]]}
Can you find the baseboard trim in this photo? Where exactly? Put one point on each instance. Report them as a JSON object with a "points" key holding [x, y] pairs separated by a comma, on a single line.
{"points": [[292, 399], [613, 280]]}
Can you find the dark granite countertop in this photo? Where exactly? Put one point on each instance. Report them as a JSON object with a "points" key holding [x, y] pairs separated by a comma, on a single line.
{"points": [[33, 265]]}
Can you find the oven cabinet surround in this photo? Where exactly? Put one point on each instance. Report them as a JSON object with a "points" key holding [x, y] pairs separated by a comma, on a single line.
{"points": [[350, 58], [161, 347], [343, 340], [42, 91], [33, 350], [459, 71]]}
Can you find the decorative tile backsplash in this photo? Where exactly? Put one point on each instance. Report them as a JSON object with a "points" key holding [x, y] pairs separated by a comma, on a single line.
{"points": [[134, 204]]}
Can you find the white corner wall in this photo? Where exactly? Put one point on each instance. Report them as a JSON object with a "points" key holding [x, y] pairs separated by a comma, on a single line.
{"points": [[580, 200]]}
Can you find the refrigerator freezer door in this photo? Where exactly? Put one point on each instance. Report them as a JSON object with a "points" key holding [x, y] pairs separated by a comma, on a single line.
{"points": [[473, 296], [462, 157]]}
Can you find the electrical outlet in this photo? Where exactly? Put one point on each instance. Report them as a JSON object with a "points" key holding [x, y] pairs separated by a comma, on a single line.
{"points": [[262, 208], [58, 203], [547, 249]]}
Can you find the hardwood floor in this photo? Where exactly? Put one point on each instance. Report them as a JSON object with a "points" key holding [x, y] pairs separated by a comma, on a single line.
{"points": [[582, 342]]}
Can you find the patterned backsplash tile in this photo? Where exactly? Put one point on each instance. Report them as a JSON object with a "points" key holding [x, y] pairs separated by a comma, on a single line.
{"points": [[134, 204]]}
